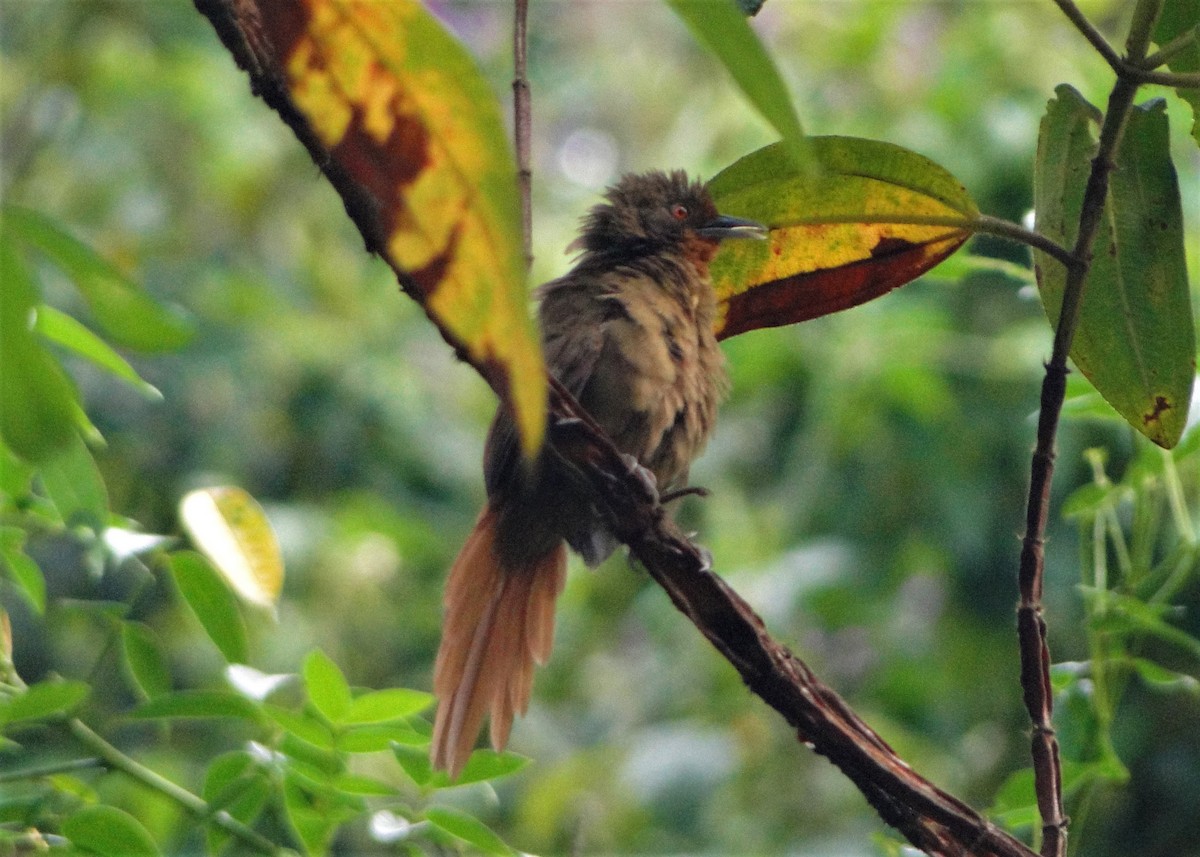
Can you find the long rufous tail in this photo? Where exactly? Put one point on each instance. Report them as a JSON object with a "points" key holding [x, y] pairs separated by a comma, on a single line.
{"points": [[499, 622]]}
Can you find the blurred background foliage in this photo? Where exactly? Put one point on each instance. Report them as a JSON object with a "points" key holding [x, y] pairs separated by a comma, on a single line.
{"points": [[868, 473]]}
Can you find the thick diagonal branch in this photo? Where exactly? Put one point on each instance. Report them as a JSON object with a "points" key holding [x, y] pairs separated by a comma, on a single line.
{"points": [[931, 819]]}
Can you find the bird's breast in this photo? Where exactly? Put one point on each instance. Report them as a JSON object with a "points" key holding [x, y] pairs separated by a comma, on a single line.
{"points": [[658, 377]]}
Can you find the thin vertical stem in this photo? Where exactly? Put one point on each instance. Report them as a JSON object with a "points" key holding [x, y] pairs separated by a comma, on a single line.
{"points": [[1031, 624], [522, 122]]}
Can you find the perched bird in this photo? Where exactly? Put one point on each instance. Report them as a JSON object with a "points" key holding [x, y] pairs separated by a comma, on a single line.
{"points": [[629, 331]]}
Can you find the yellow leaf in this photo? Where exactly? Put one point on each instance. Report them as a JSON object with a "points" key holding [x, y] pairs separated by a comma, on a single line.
{"points": [[232, 531]]}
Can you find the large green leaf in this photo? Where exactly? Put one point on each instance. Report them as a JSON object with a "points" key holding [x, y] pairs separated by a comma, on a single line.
{"points": [[1135, 340], [722, 27], [1179, 17], [406, 128], [142, 650], [22, 570], [871, 218]]}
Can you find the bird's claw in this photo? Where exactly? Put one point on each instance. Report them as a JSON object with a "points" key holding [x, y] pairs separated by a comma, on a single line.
{"points": [[635, 468]]}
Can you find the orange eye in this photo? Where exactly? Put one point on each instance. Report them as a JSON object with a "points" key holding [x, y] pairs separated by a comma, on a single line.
{"points": [[679, 212]]}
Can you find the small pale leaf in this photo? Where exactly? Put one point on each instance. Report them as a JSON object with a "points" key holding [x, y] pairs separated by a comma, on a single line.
{"points": [[231, 529]]}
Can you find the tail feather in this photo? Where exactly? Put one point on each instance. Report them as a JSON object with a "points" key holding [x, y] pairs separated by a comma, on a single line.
{"points": [[499, 623]]}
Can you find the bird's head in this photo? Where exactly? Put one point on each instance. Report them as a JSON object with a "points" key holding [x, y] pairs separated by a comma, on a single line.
{"points": [[655, 212]]}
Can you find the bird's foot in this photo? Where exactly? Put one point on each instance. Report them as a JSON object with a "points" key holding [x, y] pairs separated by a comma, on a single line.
{"points": [[643, 475]]}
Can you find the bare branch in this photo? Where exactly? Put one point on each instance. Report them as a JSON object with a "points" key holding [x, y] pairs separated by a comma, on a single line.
{"points": [[522, 125], [934, 821]]}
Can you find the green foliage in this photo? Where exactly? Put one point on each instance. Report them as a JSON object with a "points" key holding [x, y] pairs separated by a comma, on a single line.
{"points": [[866, 479], [1135, 341]]}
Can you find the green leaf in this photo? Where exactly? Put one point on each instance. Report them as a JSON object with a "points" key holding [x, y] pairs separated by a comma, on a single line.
{"points": [[327, 687], [22, 570], [356, 784], [415, 762], [469, 829], [125, 313], [1160, 678], [723, 29], [1087, 500], [303, 725], [62, 329], [1135, 340], [486, 764], [380, 706], [212, 602], [36, 399], [1177, 18], [235, 784], [375, 737], [197, 704], [314, 815], [45, 700], [143, 660], [1128, 615], [837, 239], [1015, 805], [108, 832], [75, 487]]}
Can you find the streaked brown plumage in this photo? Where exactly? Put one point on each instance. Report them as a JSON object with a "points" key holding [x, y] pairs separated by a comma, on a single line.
{"points": [[629, 331]]}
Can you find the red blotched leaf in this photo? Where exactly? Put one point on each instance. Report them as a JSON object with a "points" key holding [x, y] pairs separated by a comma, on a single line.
{"points": [[397, 116], [871, 218]]}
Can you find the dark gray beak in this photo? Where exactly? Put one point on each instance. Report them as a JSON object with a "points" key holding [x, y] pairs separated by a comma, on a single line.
{"points": [[723, 227]]}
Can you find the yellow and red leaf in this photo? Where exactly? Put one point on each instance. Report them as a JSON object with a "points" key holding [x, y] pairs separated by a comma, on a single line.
{"points": [[872, 217], [397, 116]]}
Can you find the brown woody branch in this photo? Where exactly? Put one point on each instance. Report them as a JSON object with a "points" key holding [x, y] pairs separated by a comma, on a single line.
{"points": [[522, 125], [932, 820], [1031, 624]]}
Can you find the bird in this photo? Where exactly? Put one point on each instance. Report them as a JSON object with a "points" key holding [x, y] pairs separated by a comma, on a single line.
{"points": [[629, 331]]}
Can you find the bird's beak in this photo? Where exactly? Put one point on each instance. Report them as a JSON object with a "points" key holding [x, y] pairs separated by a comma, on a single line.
{"points": [[723, 227]]}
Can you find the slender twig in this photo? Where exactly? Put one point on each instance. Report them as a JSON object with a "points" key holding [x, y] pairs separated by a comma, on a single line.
{"points": [[1035, 653], [1180, 43], [1178, 80], [193, 804], [49, 770], [1136, 66], [1089, 31], [1015, 232], [981, 223], [522, 125]]}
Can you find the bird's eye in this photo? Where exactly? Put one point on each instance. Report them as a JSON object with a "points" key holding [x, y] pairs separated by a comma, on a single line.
{"points": [[679, 212]]}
